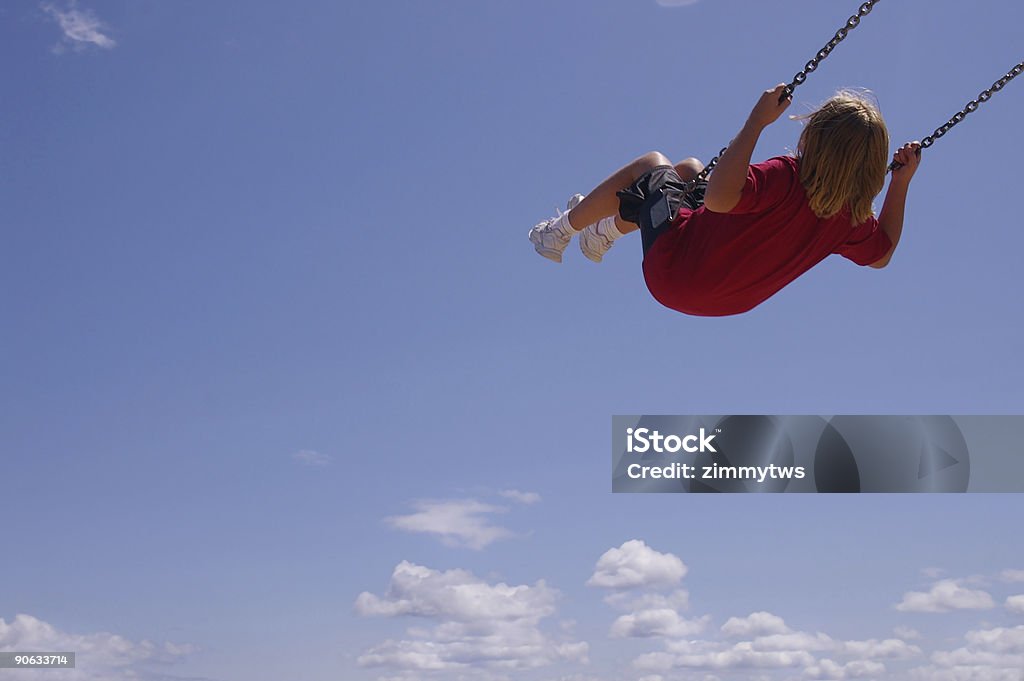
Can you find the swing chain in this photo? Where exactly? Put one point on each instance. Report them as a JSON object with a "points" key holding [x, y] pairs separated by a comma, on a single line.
{"points": [[703, 175], [800, 77], [840, 35], [972, 105]]}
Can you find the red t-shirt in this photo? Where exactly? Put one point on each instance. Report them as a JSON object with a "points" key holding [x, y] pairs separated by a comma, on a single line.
{"points": [[717, 264]]}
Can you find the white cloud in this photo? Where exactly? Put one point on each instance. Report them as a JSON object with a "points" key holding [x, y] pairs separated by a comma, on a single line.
{"points": [[693, 646], [999, 640], [309, 457], [972, 657], [797, 650], [503, 646], [945, 595], [677, 3], [995, 654], [825, 669], [636, 565], [1012, 575], [796, 640], [679, 599], [486, 631], [755, 624], [110, 657], [964, 673], [907, 633], [890, 648], [81, 27], [662, 622], [478, 625], [870, 649], [458, 522], [655, 662], [858, 669], [771, 644], [456, 595], [520, 497], [739, 656]]}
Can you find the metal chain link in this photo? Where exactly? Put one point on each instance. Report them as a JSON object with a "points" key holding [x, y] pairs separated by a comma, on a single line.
{"points": [[799, 78], [840, 35], [971, 106]]}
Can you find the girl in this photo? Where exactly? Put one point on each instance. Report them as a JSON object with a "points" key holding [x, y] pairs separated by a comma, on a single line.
{"points": [[740, 237]]}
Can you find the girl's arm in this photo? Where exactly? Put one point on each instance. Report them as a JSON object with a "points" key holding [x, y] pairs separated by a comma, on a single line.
{"points": [[726, 184], [890, 220]]}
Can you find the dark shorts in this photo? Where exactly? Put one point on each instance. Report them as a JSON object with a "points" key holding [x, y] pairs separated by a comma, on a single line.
{"points": [[654, 200]]}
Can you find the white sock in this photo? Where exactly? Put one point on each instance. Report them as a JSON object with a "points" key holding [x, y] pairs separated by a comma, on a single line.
{"points": [[606, 228], [563, 225]]}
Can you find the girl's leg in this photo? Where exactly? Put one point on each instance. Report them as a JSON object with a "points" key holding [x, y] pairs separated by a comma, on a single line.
{"points": [[602, 201]]}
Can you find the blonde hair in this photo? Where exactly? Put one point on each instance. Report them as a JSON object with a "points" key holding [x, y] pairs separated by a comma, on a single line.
{"points": [[844, 154]]}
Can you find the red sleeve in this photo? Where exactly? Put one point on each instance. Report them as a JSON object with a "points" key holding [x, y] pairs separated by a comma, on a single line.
{"points": [[867, 243], [767, 185]]}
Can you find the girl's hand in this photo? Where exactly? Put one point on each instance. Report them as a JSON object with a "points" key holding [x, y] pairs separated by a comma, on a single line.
{"points": [[909, 158], [768, 108]]}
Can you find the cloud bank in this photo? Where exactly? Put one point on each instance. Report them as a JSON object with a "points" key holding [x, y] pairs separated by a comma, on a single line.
{"points": [[477, 624], [482, 630], [99, 656]]}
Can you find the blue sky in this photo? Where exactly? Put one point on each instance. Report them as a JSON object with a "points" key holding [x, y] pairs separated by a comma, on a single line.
{"points": [[287, 393]]}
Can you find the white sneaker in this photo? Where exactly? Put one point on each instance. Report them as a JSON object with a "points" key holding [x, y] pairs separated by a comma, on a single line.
{"points": [[594, 244], [549, 238]]}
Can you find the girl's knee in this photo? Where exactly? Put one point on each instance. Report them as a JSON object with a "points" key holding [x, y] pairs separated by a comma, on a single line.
{"points": [[689, 168], [652, 159]]}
